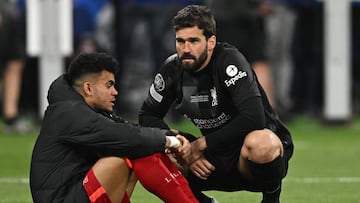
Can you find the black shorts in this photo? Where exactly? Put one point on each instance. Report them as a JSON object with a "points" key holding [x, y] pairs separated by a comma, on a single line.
{"points": [[77, 194], [12, 46], [226, 176]]}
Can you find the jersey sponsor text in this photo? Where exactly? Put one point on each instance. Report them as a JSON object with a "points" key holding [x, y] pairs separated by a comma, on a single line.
{"points": [[213, 122], [233, 80]]}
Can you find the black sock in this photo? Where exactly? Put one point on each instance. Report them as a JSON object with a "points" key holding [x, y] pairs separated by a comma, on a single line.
{"points": [[193, 183], [10, 121], [202, 198], [269, 175], [272, 197]]}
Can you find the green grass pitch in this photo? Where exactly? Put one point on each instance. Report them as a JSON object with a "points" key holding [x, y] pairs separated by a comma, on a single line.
{"points": [[325, 167]]}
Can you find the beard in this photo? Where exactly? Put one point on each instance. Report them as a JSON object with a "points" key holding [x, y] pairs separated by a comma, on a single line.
{"points": [[193, 67]]}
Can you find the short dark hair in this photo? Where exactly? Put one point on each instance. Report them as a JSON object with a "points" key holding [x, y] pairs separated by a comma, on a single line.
{"points": [[86, 63], [196, 15]]}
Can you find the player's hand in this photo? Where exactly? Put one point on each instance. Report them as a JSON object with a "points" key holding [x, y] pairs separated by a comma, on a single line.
{"points": [[201, 168], [175, 132], [172, 143], [184, 150], [196, 150]]}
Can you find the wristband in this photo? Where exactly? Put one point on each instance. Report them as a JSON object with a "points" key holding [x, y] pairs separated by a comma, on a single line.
{"points": [[174, 142]]}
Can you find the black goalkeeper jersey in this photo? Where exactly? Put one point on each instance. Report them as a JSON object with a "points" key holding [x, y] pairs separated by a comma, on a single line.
{"points": [[224, 100]]}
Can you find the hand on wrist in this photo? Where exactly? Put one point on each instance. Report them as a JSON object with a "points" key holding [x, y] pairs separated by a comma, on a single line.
{"points": [[173, 142]]}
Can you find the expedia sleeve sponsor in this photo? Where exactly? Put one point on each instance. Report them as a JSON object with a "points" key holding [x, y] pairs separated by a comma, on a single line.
{"points": [[232, 81]]}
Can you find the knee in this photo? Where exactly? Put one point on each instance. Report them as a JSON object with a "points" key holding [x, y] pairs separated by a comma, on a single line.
{"points": [[116, 162], [113, 175], [111, 164], [262, 146]]}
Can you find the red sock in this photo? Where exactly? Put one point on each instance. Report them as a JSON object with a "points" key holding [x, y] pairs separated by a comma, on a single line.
{"points": [[182, 180], [156, 177], [125, 199], [96, 192]]}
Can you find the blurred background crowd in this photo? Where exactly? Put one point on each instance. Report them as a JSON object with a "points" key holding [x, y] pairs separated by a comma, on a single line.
{"points": [[282, 39]]}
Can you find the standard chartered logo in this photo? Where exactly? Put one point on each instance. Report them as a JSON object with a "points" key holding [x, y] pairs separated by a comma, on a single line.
{"points": [[233, 80], [212, 122]]}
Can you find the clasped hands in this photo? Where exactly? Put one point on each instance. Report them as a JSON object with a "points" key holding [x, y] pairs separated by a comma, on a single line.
{"points": [[190, 156]]}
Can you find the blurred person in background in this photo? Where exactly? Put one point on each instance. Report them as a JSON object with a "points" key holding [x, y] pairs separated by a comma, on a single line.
{"points": [[145, 30], [242, 25], [279, 28], [12, 60], [308, 50], [92, 26], [355, 51]]}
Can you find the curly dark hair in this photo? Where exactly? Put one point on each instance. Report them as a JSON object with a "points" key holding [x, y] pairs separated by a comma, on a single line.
{"points": [[196, 15], [86, 63]]}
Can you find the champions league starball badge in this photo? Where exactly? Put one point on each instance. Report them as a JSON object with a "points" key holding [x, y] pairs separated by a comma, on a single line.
{"points": [[159, 82]]}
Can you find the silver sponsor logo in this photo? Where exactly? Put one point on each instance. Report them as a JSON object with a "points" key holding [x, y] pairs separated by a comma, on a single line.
{"points": [[214, 101], [199, 98], [159, 83], [155, 95], [233, 80]]}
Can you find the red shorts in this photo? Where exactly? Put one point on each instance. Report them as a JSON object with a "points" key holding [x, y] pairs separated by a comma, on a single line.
{"points": [[94, 190]]}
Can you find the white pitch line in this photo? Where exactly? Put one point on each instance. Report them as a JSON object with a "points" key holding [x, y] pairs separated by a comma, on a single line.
{"points": [[10, 180], [324, 180], [14, 180]]}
